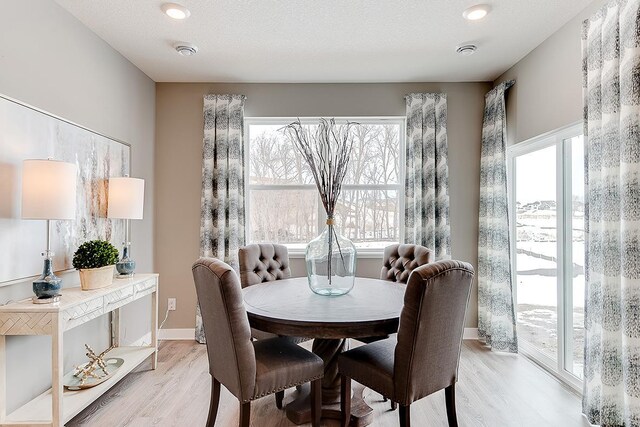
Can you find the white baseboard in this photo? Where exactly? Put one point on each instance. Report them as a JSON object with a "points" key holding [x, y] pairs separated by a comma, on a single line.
{"points": [[470, 334], [177, 334]]}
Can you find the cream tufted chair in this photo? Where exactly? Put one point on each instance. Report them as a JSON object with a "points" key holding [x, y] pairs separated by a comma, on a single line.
{"points": [[400, 260], [263, 262]]}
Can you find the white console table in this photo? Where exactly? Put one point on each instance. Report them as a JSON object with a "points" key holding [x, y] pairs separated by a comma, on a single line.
{"points": [[57, 406]]}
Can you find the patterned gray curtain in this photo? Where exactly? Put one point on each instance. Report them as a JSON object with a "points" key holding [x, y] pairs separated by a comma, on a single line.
{"points": [[426, 211], [611, 88], [222, 210], [496, 317]]}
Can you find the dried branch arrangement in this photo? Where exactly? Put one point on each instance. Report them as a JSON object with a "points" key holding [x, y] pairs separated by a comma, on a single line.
{"points": [[96, 362], [327, 150]]}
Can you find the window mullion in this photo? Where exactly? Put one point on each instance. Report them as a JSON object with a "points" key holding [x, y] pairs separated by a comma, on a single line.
{"points": [[322, 215]]}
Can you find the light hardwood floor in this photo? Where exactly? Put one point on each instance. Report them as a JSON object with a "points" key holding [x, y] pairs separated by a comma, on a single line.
{"points": [[493, 390]]}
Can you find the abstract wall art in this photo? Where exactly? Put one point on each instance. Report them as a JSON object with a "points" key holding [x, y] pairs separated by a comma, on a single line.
{"points": [[29, 133]]}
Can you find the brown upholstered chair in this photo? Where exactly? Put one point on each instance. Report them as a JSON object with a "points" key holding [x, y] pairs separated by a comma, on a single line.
{"points": [[263, 262], [397, 264], [425, 355], [248, 369], [400, 260]]}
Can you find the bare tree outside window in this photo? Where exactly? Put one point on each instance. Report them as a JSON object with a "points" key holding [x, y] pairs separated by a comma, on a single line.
{"points": [[283, 203]]}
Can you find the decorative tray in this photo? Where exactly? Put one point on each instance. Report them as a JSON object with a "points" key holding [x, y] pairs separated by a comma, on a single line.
{"points": [[72, 382]]}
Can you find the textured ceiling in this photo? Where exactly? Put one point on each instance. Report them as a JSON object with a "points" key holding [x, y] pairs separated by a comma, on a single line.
{"points": [[324, 40]]}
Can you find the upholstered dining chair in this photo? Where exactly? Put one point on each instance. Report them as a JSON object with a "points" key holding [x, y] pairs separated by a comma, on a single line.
{"points": [[248, 369], [265, 262], [400, 260], [425, 355]]}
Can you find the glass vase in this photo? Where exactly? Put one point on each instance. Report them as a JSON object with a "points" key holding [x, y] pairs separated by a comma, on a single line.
{"points": [[331, 262]]}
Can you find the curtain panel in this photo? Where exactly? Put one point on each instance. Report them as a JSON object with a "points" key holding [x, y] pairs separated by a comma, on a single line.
{"points": [[611, 96], [427, 173], [222, 201], [496, 316]]}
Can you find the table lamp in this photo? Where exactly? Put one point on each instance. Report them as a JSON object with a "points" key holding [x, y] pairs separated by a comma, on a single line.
{"points": [[126, 201], [49, 193]]}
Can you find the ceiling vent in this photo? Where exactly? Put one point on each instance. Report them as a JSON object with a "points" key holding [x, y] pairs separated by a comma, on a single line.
{"points": [[467, 49], [186, 49]]}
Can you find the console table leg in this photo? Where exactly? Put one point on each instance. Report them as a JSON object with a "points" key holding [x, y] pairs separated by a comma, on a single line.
{"points": [[115, 327], [154, 329], [57, 364], [3, 379]]}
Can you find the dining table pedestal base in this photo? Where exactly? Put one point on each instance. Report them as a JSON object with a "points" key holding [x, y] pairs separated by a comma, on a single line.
{"points": [[299, 411]]}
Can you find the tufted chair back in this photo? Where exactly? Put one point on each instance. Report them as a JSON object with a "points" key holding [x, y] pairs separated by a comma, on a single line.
{"points": [[263, 262], [400, 260]]}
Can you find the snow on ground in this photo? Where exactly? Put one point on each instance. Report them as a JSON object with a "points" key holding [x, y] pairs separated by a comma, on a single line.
{"points": [[536, 296]]}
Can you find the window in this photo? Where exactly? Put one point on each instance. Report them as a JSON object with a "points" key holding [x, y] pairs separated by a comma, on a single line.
{"points": [[282, 201], [547, 211]]}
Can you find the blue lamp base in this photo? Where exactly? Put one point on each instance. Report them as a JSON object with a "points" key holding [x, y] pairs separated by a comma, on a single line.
{"points": [[48, 285], [126, 266]]}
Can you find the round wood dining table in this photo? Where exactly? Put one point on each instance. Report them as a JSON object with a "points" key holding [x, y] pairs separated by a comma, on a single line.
{"points": [[288, 307]]}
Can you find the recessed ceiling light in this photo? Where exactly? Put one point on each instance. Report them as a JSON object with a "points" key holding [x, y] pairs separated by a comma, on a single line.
{"points": [[466, 49], [175, 11], [476, 12], [186, 49]]}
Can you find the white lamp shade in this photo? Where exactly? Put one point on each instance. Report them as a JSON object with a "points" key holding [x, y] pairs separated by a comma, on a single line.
{"points": [[126, 198], [48, 189]]}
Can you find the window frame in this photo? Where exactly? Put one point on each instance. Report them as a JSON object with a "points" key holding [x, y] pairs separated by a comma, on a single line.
{"points": [[401, 121], [557, 138]]}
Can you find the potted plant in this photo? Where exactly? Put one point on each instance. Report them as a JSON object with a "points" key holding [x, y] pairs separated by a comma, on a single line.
{"points": [[95, 260]]}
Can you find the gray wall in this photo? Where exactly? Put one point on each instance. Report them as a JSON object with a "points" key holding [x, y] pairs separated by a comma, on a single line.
{"points": [[179, 133], [548, 90], [50, 60]]}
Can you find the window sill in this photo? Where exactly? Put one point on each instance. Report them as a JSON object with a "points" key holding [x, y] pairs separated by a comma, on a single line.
{"points": [[370, 254]]}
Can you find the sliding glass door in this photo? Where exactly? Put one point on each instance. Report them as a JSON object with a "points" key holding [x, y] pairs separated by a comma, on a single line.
{"points": [[536, 253], [547, 209], [575, 250]]}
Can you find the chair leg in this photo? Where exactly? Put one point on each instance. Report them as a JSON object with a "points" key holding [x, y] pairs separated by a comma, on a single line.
{"points": [[213, 405], [394, 405], [345, 400], [245, 414], [405, 416], [316, 402], [279, 399], [450, 399]]}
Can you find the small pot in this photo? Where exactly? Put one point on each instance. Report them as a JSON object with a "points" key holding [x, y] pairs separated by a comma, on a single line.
{"points": [[96, 278]]}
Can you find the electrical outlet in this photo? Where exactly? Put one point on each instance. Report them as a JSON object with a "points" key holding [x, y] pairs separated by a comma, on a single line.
{"points": [[171, 304]]}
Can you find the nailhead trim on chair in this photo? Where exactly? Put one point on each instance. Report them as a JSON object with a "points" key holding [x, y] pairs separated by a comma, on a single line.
{"points": [[267, 393]]}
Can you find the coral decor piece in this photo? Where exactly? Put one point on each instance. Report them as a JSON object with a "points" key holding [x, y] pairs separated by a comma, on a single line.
{"points": [[96, 363]]}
